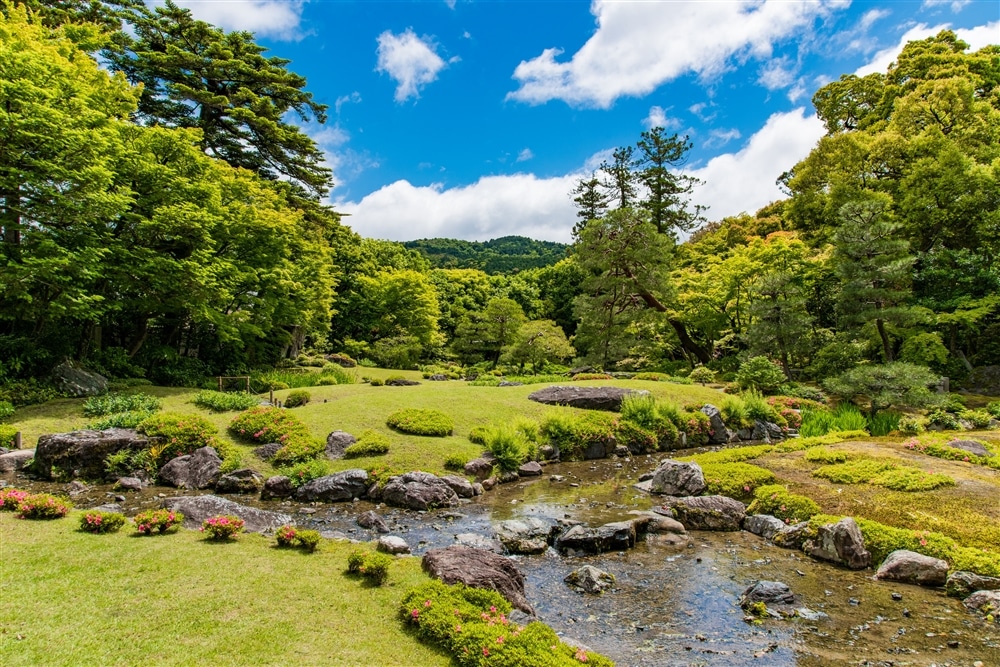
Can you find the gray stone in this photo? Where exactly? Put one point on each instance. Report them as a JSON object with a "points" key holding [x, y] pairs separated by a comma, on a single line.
{"points": [[15, 460], [337, 442], [600, 448], [392, 544], [277, 486], [530, 469], [374, 521], [793, 536], [341, 486], [267, 452], [510, 383], [768, 592], [589, 398], [478, 568], [461, 486], [76, 488], [109, 507], [548, 452], [972, 446], [438, 377], [509, 477], [840, 543], [489, 483], [765, 525], [481, 468], [651, 522], [524, 536], [74, 381], [198, 470], [245, 480], [962, 584], [198, 508], [910, 567], [476, 541], [719, 432], [129, 484], [808, 614], [617, 536], [478, 489], [400, 382], [678, 478], [707, 512], [982, 601], [83, 453], [419, 491], [589, 579]]}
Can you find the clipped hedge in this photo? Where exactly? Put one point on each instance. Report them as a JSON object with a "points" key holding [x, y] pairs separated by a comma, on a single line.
{"points": [[371, 443], [225, 401], [416, 421], [776, 500]]}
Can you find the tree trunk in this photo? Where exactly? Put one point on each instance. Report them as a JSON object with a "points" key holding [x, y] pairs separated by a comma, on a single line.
{"points": [[141, 331], [886, 346]]}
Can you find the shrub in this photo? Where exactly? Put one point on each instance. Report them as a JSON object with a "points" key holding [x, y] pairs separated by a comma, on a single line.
{"points": [[6, 410], [7, 435], [697, 427], [11, 498], [944, 420], [946, 451], [897, 384], [371, 443], [639, 440], [994, 409], [98, 406], [162, 520], [266, 424], [591, 376], [42, 506], [736, 480], [285, 536], [308, 540], [416, 421], [776, 500], [702, 375], [337, 373], [297, 398], [306, 471], [456, 462], [27, 392], [760, 373], [102, 522], [911, 425], [225, 401], [508, 445], [734, 413], [375, 382], [477, 435], [953, 403], [372, 566], [651, 377], [223, 527], [126, 462], [978, 418], [129, 419], [177, 434], [757, 407], [825, 455], [588, 428], [528, 428], [679, 379]]}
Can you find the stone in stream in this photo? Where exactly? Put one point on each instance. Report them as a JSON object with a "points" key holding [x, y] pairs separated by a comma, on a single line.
{"points": [[962, 584], [651, 522], [481, 468], [198, 470], [198, 508], [910, 567], [245, 480], [707, 512], [418, 491], [617, 536], [341, 486], [719, 433], [15, 460], [764, 525], [374, 521], [588, 398], [477, 541], [76, 488], [530, 469], [793, 536], [774, 592], [277, 486], [590, 579], [983, 602], [337, 442], [478, 568], [461, 486], [678, 478], [524, 536], [974, 447], [392, 544], [840, 543], [83, 453], [129, 484]]}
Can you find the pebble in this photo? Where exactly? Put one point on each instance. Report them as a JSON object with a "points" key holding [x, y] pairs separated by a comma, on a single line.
{"points": [[906, 613], [953, 643], [897, 596], [854, 602]]}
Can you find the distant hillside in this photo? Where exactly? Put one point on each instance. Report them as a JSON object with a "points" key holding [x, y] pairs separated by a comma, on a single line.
{"points": [[503, 255]]}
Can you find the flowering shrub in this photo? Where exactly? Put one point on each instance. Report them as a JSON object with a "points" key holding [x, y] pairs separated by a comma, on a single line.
{"points": [[374, 567], [177, 434], [223, 527], [371, 443], [102, 522], [290, 536], [421, 422], [42, 506], [945, 451], [266, 424], [776, 500], [944, 420], [10, 499], [157, 520]]}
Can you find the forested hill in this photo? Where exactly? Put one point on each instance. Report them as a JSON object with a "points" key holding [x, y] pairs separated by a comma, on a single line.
{"points": [[503, 255]]}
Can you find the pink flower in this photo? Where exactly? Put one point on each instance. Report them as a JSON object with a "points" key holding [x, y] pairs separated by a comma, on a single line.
{"points": [[486, 651], [581, 655], [500, 639], [415, 614]]}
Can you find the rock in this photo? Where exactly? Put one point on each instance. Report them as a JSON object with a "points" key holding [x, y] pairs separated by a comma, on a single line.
{"points": [[15, 460], [489, 483], [623, 452], [419, 491], [478, 489], [129, 484], [245, 480], [707, 512], [267, 452], [773, 592], [341, 486], [617, 536], [74, 381], [972, 446], [910, 567], [76, 488], [961, 584], [476, 541], [678, 478], [341, 360], [374, 521], [109, 507], [530, 469], [589, 398], [509, 477], [984, 380], [509, 383], [651, 522], [83, 453], [840, 543], [198, 470], [765, 525], [524, 536], [198, 508], [480, 468], [792, 537], [548, 453], [392, 544], [4, 450], [277, 486], [400, 382], [600, 448], [478, 568], [719, 432], [438, 377], [461, 486], [337, 442], [589, 579], [983, 602], [807, 614]]}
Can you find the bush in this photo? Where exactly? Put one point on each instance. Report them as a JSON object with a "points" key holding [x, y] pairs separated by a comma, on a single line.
{"points": [[297, 398], [285, 536], [306, 471], [42, 506], [223, 527], [760, 373], [266, 424], [825, 455], [696, 427], [127, 462], [508, 445], [177, 435], [98, 406], [946, 451], [911, 425], [371, 443], [374, 567], [944, 420], [776, 500], [591, 376], [456, 462], [978, 418], [10, 499], [702, 375], [375, 382], [7, 435], [421, 422], [573, 435], [639, 440], [731, 455], [736, 480], [528, 428], [337, 373], [308, 540], [994, 409], [129, 419], [734, 413], [897, 384], [651, 377], [6, 410], [21, 393], [150, 521], [102, 522], [758, 408], [223, 401], [477, 435]]}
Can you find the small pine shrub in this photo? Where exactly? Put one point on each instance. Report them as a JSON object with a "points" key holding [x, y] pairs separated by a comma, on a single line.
{"points": [[825, 455], [374, 567], [98, 406], [477, 435], [944, 420], [177, 435], [979, 419], [297, 398], [10, 499], [308, 540], [371, 443], [416, 421], [953, 403], [42, 506], [776, 500], [158, 521], [7, 435], [102, 522], [702, 375], [6, 410], [223, 527], [223, 401]]}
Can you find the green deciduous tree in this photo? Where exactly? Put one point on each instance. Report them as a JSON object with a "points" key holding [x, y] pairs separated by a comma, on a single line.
{"points": [[780, 320], [483, 335], [538, 342]]}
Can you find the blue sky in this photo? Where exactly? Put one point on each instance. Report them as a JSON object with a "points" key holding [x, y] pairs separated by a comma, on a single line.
{"points": [[474, 118]]}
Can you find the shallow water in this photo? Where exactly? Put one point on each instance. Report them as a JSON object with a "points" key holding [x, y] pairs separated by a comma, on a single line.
{"points": [[675, 604]]}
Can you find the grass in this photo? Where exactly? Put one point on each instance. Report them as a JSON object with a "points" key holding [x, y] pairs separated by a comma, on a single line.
{"points": [[278, 607]]}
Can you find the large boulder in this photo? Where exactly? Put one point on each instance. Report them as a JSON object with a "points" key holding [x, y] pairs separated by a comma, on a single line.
{"points": [[524, 536], [765, 525], [83, 453], [197, 470], [589, 398], [719, 433], [707, 512], [245, 480], [461, 486], [74, 381], [962, 584], [337, 442], [478, 568], [590, 579], [481, 468], [617, 536], [15, 460], [909, 567], [974, 447], [768, 432], [198, 508], [840, 543], [277, 486], [267, 452], [678, 478], [419, 491], [983, 602], [341, 486]]}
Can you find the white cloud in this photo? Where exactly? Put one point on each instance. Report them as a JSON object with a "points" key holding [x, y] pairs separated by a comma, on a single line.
{"points": [[976, 38], [718, 138], [525, 155], [956, 5], [411, 61], [658, 118], [871, 16], [640, 45], [353, 98], [267, 18], [776, 74], [450, 3]]}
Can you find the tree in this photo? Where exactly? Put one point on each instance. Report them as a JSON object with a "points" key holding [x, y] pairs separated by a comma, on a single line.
{"points": [[538, 342], [591, 202], [666, 191], [875, 268], [486, 333], [780, 320], [894, 384], [195, 75], [620, 180]]}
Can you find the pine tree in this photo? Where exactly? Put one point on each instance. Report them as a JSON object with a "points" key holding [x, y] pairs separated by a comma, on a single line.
{"points": [[666, 191]]}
